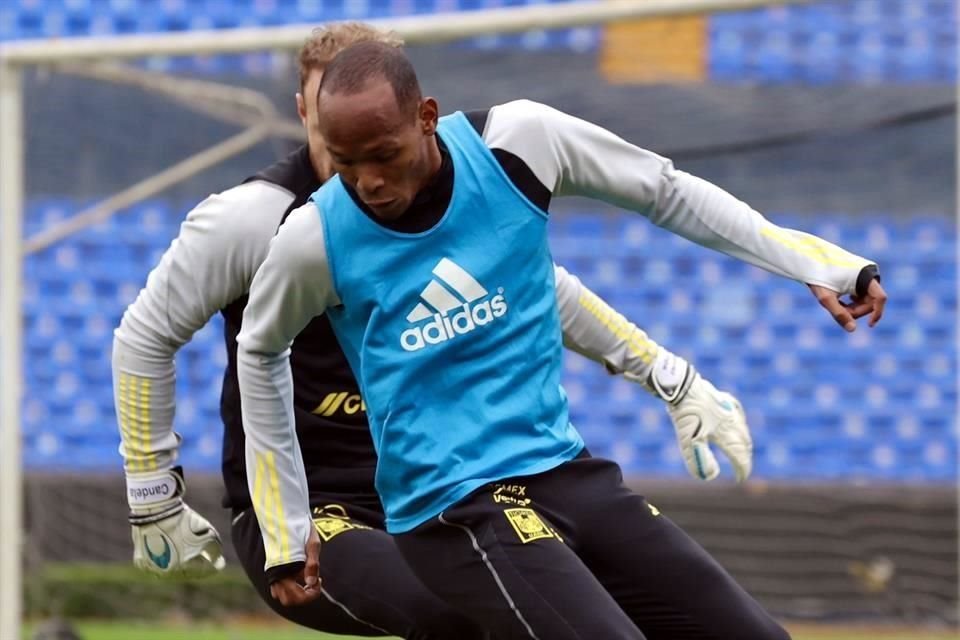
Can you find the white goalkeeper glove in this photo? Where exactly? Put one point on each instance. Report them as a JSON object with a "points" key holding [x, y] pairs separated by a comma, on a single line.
{"points": [[701, 415], [170, 538]]}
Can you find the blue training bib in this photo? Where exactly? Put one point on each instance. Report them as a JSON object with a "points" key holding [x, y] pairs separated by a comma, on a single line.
{"points": [[454, 336]]}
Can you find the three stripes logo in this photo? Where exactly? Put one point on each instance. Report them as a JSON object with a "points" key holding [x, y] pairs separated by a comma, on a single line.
{"points": [[454, 303]]}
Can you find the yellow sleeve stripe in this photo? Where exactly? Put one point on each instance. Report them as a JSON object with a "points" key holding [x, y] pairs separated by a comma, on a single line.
{"points": [[134, 449], [135, 453], [145, 440], [812, 247], [635, 339], [281, 520], [134, 415], [126, 425], [269, 508], [261, 502]]}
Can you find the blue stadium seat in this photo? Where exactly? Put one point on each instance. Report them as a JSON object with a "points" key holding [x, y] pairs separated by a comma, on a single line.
{"points": [[824, 43], [881, 411]]}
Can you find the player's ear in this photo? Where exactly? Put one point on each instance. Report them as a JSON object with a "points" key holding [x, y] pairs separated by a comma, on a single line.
{"points": [[301, 109], [428, 115]]}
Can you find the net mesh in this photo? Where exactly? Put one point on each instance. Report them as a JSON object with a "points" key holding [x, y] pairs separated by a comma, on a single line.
{"points": [[837, 118]]}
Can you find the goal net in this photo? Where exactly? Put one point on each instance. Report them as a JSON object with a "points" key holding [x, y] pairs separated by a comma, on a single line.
{"points": [[837, 118]]}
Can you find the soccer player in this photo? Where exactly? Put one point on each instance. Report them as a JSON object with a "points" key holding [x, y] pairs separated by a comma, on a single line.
{"points": [[207, 269], [428, 253]]}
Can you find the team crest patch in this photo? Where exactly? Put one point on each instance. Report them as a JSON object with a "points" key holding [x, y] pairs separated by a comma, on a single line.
{"points": [[332, 520], [528, 525], [328, 528]]}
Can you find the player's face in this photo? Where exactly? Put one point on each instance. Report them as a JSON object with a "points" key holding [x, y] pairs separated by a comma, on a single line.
{"points": [[386, 154], [307, 109]]}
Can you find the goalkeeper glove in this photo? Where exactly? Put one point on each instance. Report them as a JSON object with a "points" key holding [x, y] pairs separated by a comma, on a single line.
{"points": [[170, 538], [701, 415]]}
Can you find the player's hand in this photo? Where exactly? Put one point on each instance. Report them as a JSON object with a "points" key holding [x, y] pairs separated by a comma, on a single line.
{"points": [[704, 416], [304, 587], [847, 313], [701, 416], [170, 538]]}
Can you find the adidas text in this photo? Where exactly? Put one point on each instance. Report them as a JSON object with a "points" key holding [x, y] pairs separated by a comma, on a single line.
{"points": [[443, 327]]}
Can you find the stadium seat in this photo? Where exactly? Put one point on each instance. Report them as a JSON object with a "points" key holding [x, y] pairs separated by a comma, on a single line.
{"points": [[824, 43], [728, 317], [897, 378], [819, 44]]}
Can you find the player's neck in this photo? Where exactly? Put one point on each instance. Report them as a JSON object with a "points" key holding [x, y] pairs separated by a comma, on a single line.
{"points": [[434, 162]]}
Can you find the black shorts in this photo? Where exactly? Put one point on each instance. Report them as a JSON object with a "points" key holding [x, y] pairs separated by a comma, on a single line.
{"points": [[572, 553], [368, 590]]}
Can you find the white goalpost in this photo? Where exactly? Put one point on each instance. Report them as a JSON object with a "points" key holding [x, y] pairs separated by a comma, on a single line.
{"points": [[90, 56], [11, 213]]}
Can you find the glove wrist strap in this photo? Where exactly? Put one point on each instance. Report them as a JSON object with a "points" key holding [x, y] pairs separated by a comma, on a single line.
{"points": [[154, 497], [139, 519], [671, 377]]}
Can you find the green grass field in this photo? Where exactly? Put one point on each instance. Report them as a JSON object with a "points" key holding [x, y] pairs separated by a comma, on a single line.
{"points": [[254, 631]]}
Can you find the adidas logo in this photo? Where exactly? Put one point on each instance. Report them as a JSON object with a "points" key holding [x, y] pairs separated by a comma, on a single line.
{"points": [[451, 304]]}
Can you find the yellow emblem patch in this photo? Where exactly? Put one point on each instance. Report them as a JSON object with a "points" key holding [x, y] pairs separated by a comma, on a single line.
{"points": [[328, 528], [528, 525], [332, 520]]}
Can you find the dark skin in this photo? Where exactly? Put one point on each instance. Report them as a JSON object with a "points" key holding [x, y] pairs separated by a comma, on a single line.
{"points": [[386, 152], [305, 586], [846, 313]]}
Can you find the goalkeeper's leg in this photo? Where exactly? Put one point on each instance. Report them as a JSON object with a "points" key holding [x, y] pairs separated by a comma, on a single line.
{"points": [[367, 588]]}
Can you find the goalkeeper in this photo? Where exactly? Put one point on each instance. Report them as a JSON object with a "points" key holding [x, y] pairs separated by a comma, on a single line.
{"points": [[208, 269]]}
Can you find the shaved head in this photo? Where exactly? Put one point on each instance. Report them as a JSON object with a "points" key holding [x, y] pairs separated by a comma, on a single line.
{"points": [[352, 70]]}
